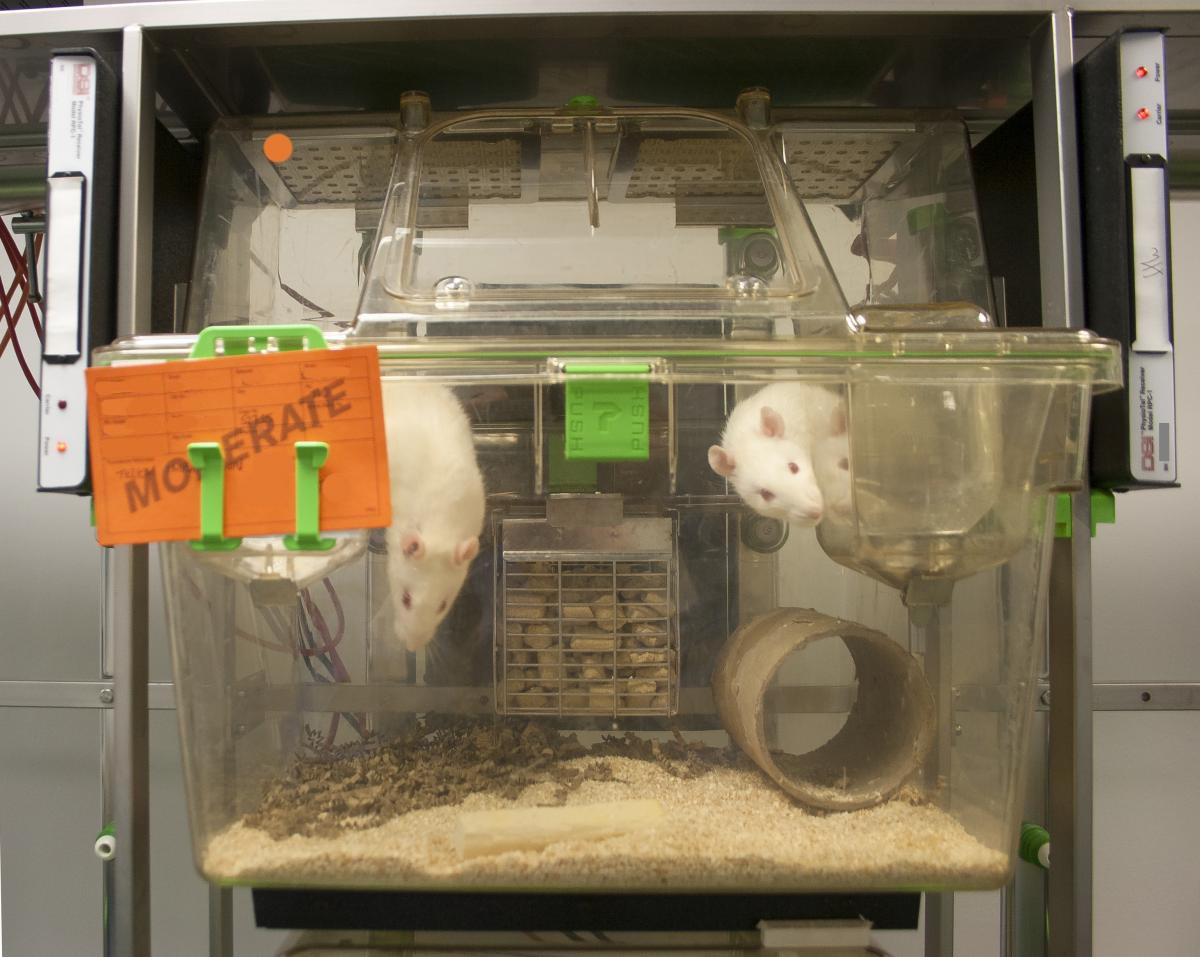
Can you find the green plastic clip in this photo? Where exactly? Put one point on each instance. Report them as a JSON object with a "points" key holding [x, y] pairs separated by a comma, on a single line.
{"points": [[242, 340], [208, 459], [1062, 515], [921, 218], [1034, 846], [1104, 512], [733, 234], [583, 103], [608, 420], [564, 476], [572, 367], [310, 457], [1104, 508]]}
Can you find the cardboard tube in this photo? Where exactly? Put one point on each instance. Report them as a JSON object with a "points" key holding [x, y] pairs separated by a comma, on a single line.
{"points": [[887, 735]]}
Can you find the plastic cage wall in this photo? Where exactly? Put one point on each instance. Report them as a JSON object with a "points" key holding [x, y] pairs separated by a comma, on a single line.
{"points": [[698, 577]]}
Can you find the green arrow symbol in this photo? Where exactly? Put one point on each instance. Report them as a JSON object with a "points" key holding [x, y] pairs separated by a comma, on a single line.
{"points": [[605, 413]]}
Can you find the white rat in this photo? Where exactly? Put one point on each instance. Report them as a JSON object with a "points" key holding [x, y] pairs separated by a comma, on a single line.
{"points": [[437, 505], [786, 452]]}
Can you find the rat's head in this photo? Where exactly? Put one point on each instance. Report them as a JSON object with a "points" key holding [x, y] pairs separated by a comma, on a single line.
{"points": [[424, 584], [772, 473]]}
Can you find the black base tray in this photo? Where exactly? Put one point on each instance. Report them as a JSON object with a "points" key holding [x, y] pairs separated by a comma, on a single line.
{"points": [[397, 910]]}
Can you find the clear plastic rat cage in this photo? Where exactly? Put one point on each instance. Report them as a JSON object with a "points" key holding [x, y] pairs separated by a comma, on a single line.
{"points": [[721, 509]]}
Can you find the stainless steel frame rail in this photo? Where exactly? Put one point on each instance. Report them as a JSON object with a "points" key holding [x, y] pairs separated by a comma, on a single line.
{"points": [[125, 630], [160, 696], [1070, 595], [219, 13]]}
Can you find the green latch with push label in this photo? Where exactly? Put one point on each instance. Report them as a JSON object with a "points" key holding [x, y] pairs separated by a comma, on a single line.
{"points": [[607, 415]]}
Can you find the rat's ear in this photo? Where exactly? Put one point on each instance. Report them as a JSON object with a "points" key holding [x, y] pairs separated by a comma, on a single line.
{"points": [[772, 423], [837, 425], [412, 545], [720, 460], [466, 550]]}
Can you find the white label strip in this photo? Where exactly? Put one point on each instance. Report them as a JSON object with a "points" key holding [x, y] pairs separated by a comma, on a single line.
{"points": [[1148, 225], [64, 267]]}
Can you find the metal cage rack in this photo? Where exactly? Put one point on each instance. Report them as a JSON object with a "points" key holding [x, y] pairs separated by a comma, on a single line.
{"points": [[165, 57]]}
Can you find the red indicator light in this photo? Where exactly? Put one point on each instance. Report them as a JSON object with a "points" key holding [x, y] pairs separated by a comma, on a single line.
{"points": [[1140, 72], [62, 403], [1143, 114], [61, 446]]}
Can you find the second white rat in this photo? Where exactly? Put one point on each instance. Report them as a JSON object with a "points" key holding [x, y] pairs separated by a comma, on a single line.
{"points": [[438, 504], [784, 449]]}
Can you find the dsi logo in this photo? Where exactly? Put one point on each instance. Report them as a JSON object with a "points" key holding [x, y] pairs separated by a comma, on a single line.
{"points": [[83, 79], [1148, 453]]}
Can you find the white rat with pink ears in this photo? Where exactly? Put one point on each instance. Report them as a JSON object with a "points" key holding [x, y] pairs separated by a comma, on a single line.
{"points": [[786, 451], [438, 502]]}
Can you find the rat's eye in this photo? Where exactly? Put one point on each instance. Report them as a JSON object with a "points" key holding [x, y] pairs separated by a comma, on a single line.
{"points": [[844, 464], [793, 467], [767, 494], [442, 606]]}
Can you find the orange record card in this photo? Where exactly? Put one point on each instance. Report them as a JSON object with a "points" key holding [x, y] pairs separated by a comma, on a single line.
{"points": [[142, 418]]}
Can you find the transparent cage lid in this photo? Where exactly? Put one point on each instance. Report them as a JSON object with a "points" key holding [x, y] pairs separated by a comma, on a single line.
{"points": [[592, 214], [592, 223]]}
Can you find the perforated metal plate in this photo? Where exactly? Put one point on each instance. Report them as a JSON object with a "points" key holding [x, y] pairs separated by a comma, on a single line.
{"points": [[699, 166], [822, 165], [471, 169], [834, 165], [347, 171]]}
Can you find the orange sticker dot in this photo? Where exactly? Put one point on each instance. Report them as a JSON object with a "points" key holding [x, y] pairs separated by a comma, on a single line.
{"points": [[278, 147]]}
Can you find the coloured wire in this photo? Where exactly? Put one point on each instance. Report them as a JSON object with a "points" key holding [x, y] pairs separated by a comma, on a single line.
{"points": [[337, 667], [21, 271], [328, 656], [17, 261], [21, 276], [302, 643], [21, 279], [286, 639]]}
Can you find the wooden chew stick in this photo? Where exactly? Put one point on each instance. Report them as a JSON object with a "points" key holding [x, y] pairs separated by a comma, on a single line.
{"points": [[532, 828]]}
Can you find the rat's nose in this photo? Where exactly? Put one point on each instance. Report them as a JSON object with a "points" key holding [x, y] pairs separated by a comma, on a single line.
{"points": [[813, 514]]}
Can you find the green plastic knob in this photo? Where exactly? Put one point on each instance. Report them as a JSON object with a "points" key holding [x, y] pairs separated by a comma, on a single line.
{"points": [[584, 103], [1035, 845]]}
